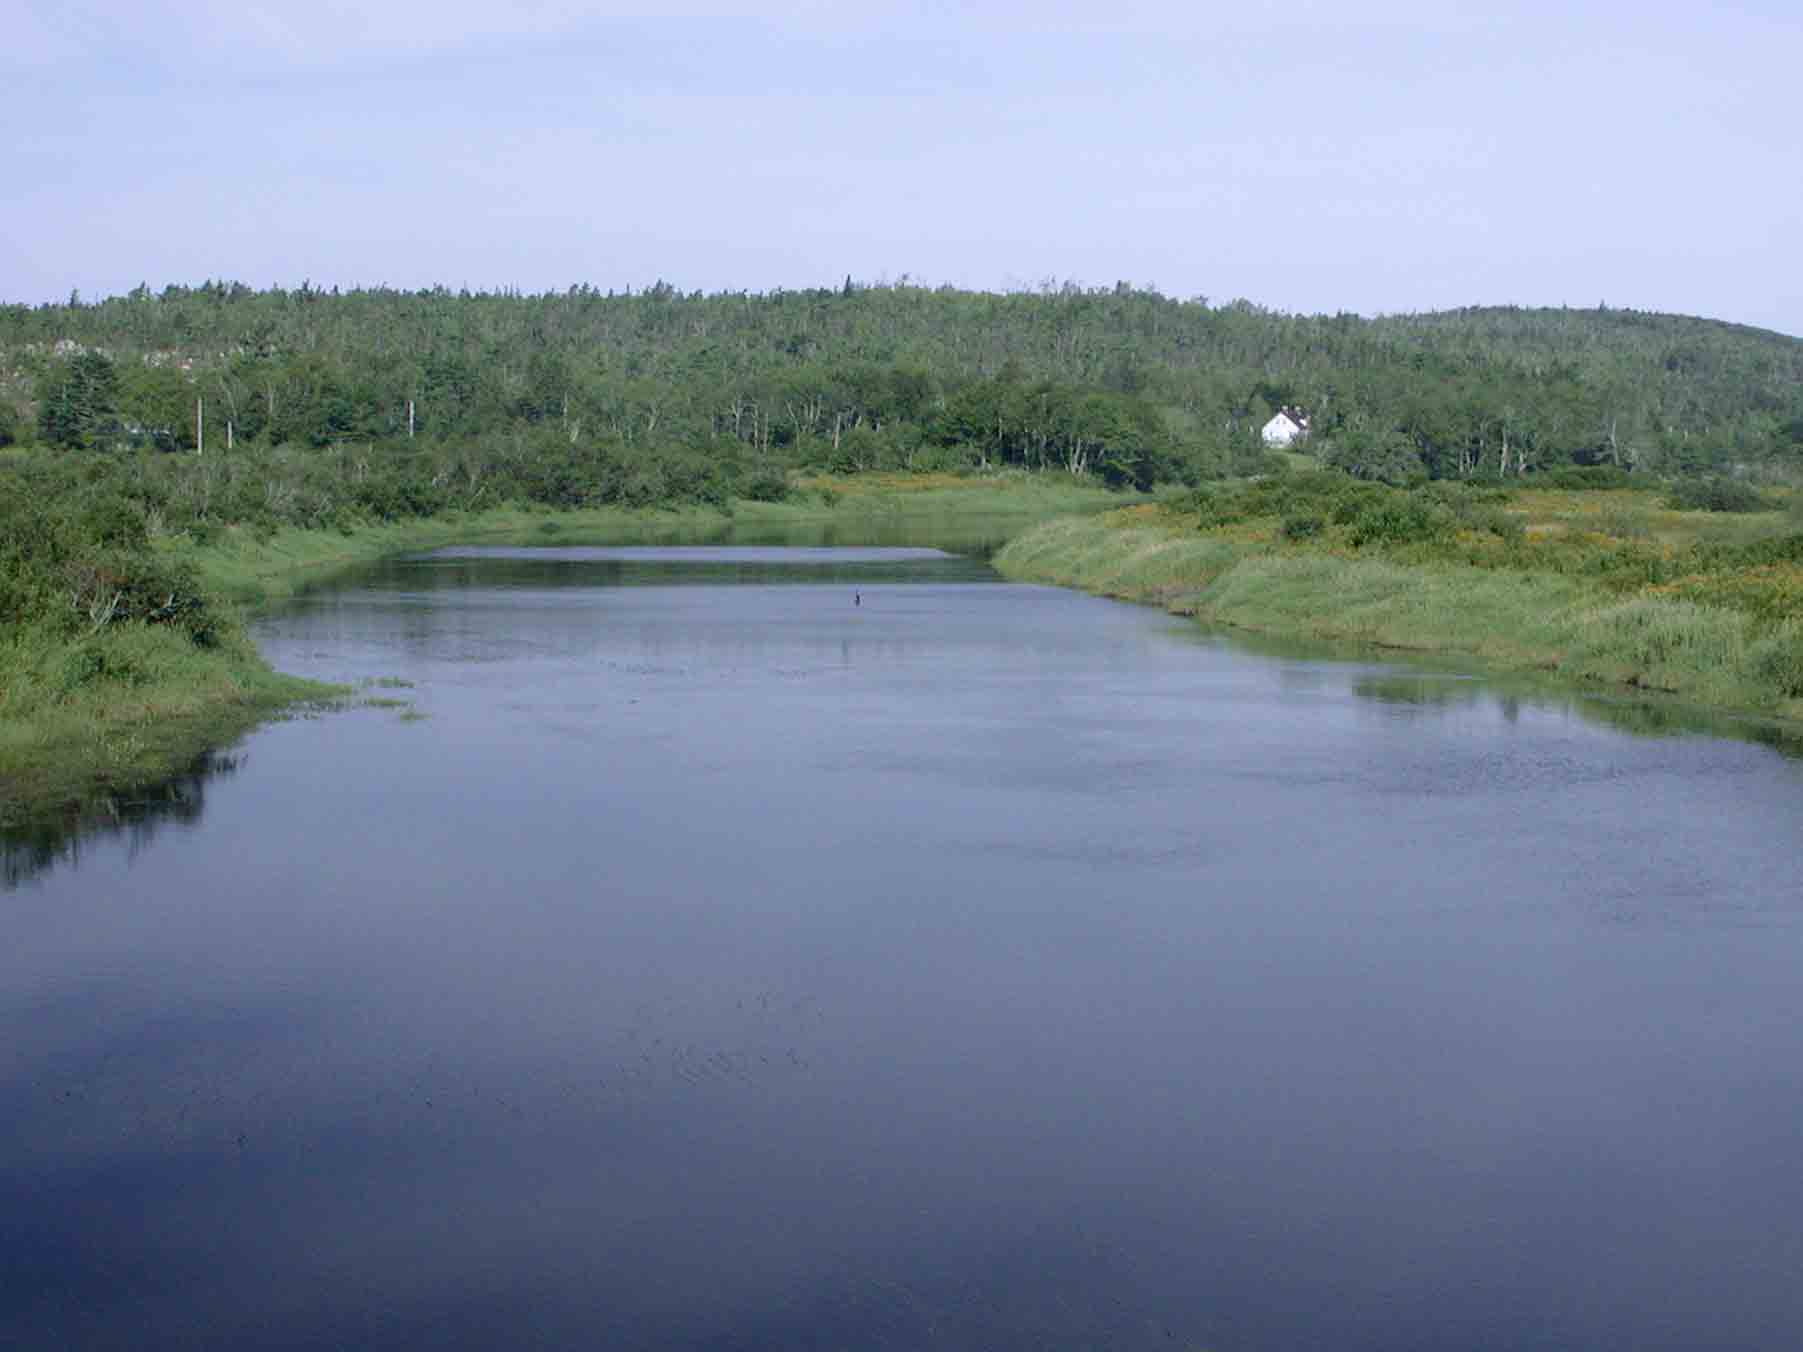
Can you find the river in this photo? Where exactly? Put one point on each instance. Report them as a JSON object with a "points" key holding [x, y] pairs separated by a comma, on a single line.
{"points": [[767, 948]]}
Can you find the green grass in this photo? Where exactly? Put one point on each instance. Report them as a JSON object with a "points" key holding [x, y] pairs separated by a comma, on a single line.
{"points": [[1534, 607], [256, 569], [90, 718], [259, 568]]}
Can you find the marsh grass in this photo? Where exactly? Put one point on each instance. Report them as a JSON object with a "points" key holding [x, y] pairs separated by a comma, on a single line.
{"points": [[100, 719], [1708, 611]]}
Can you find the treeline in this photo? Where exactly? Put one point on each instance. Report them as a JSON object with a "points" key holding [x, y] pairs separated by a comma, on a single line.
{"points": [[1127, 384]]}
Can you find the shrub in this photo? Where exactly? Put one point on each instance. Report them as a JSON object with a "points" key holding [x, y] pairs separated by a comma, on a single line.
{"points": [[764, 485], [79, 667], [1302, 526], [1717, 495], [1504, 525], [1588, 478], [940, 460], [1402, 520], [1216, 506], [1348, 507], [645, 485], [1778, 661]]}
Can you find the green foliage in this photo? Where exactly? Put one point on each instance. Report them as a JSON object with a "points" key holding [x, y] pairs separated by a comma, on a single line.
{"points": [[1718, 495], [1384, 454], [1307, 504], [1302, 526], [1131, 386], [764, 485], [78, 402], [1587, 478], [76, 558], [1571, 621], [1503, 524], [1214, 506], [1778, 661], [1625, 525], [157, 406], [1401, 520]]}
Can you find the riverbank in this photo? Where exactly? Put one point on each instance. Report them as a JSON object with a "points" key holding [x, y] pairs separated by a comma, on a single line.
{"points": [[91, 713], [255, 569], [1686, 607]]}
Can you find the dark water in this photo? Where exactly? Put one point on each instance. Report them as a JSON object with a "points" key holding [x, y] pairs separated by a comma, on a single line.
{"points": [[721, 964]]}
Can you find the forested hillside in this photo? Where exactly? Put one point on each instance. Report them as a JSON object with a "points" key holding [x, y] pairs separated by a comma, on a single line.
{"points": [[1129, 384]]}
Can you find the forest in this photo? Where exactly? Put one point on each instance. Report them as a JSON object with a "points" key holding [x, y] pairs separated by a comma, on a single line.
{"points": [[585, 397]]}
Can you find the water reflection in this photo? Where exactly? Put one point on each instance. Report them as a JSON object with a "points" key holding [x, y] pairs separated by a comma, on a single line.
{"points": [[1435, 683], [976, 535], [1431, 693], [690, 566], [134, 817]]}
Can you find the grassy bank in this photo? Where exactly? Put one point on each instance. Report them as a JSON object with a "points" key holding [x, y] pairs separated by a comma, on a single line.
{"points": [[128, 656], [1603, 588], [91, 719], [255, 568]]}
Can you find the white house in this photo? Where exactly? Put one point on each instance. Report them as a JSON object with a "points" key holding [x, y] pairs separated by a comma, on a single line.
{"points": [[1285, 427]]}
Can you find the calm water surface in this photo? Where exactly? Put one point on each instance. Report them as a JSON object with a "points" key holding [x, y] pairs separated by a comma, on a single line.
{"points": [[719, 963]]}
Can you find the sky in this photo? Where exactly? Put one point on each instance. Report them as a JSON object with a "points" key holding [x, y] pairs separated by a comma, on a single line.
{"points": [[1310, 157]]}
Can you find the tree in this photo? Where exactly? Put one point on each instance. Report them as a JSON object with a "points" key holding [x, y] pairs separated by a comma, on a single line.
{"points": [[157, 404], [78, 403]]}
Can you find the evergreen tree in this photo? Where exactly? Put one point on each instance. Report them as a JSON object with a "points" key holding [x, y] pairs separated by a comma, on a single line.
{"points": [[78, 403]]}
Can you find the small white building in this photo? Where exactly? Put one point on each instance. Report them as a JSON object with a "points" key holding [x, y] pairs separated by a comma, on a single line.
{"points": [[1287, 425]]}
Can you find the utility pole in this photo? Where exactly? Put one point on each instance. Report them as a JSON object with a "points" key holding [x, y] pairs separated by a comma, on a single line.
{"points": [[228, 434], [409, 420], [200, 428]]}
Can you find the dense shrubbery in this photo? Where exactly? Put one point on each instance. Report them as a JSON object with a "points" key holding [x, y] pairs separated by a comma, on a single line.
{"points": [[1402, 519], [75, 558], [1375, 514], [1302, 526], [1717, 495], [1587, 478]]}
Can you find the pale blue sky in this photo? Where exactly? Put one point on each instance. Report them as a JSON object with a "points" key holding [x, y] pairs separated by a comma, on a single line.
{"points": [[1374, 157]]}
